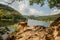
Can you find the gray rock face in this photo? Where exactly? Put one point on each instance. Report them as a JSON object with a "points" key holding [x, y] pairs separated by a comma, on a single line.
{"points": [[38, 33]]}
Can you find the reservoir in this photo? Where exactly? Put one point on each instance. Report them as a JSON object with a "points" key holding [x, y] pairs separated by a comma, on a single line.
{"points": [[32, 22]]}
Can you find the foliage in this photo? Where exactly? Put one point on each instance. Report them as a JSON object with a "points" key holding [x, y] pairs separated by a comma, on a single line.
{"points": [[3, 30], [8, 16], [51, 3], [1, 38], [37, 2]]}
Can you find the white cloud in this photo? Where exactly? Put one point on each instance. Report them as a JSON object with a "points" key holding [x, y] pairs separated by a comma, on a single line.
{"points": [[2, 3], [9, 1], [22, 6], [35, 12], [25, 9], [55, 11]]}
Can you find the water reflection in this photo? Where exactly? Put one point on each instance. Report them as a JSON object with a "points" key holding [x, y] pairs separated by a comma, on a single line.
{"points": [[32, 22]]}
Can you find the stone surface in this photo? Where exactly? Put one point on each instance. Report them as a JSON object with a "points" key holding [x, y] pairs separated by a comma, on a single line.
{"points": [[38, 32]]}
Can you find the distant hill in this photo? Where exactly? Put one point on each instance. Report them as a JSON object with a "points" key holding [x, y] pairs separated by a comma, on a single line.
{"points": [[49, 18], [9, 16]]}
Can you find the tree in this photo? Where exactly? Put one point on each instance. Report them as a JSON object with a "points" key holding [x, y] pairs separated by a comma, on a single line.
{"points": [[8, 17], [51, 3]]}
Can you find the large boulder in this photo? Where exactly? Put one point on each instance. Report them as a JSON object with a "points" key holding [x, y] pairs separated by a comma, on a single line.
{"points": [[38, 32]]}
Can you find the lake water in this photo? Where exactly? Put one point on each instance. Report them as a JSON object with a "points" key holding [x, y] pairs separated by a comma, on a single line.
{"points": [[32, 22]]}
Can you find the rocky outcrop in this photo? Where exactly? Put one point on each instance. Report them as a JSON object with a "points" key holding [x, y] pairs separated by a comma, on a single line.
{"points": [[38, 33], [56, 22]]}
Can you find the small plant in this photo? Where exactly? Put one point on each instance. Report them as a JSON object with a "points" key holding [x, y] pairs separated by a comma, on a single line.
{"points": [[3, 30]]}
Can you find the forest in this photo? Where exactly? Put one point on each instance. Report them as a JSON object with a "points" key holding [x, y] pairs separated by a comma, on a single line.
{"points": [[9, 16]]}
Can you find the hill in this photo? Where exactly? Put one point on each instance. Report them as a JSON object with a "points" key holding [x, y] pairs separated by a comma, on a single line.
{"points": [[49, 18], [9, 16]]}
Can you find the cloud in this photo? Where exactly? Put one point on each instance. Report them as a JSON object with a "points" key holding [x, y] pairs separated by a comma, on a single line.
{"points": [[26, 10], [2, 3], [22, 6], [35, 12], [55, 11], [9, 1]]}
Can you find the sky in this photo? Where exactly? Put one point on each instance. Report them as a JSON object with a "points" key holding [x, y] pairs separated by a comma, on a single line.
{"points": [[25, 9]]}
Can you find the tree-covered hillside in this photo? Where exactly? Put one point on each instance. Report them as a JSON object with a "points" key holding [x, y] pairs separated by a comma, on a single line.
{"points": [[49, 18], [9, 16]]}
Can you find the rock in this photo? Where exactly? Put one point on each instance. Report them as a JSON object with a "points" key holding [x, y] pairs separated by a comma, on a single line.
{"points": [[56, 22], [38, 33]]}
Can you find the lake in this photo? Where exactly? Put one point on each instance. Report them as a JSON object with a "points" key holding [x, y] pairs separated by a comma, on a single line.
{"points": [[32, 22]]}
